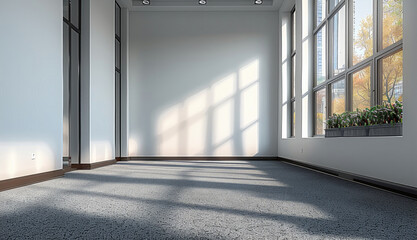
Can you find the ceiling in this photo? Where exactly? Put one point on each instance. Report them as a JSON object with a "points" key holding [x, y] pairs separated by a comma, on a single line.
{"points": [[192, 5]]}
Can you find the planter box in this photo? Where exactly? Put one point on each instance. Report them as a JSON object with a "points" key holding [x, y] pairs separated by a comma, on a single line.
{"points": [[360, 131], [333, 132], [386, 130]]}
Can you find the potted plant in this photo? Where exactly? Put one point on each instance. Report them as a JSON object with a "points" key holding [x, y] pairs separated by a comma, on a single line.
{"points": [[334, 127], [357, 124], [387, 120], [382, 120]]}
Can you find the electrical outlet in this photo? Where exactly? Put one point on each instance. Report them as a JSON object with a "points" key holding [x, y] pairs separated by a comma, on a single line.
{"points": [[301, 150], [33, 156]]}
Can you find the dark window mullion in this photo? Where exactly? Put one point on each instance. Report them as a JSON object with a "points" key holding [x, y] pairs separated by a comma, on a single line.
{"points": [[118, 91], [291, 105], [78, 30], [72, 64]]}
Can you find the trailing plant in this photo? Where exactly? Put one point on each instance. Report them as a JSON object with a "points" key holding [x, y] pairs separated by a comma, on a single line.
{"points": [[381, 114]]}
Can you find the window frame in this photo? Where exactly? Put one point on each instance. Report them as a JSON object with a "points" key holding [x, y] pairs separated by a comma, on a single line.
{"points": [[77, 29], [330, 93], [330, 42], [373, 61], [379, 72], [326, 91], [118, 78], [293, 60], [361, 67]]}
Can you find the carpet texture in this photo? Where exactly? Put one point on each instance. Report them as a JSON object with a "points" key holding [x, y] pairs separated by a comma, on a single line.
{"points": [[204, 200]]}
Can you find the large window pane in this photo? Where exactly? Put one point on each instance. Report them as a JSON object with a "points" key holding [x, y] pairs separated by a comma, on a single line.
{"points": [[320, 56], [320, 109], [293, 66], [293, 119], [338, 92], [361, 89], [66, 89], [392, 25], [320, 11], [338, 24], [118, 48], [392, 78], [66, 9], [362, 30], [74, 95], [118, 14], [333, 3], [75, 56], [293, 31], [75, 12], [118, 113]]}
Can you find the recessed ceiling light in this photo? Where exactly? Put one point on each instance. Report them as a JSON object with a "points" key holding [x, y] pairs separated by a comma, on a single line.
{"points": [[146, 2], [202, 2], [258, 2]]}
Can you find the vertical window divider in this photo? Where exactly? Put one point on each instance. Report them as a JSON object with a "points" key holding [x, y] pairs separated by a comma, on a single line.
{"points": [[328, 56], [73, 29], [118, 78], [349, 36], [347, 54], [376, 48], [291, 106]]}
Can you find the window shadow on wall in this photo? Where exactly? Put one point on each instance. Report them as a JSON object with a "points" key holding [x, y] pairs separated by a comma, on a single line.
{"points": [[221, 120]]}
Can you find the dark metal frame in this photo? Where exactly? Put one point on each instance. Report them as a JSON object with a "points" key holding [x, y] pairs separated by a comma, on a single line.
{"points": [[118, 102], [292, 72], [71, 26], [373, 61]]}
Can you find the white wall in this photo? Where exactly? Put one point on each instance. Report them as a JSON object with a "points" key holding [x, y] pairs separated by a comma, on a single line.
{"points": [[102, 83], [203, 83], [387, 158], [98, 81], [31, 94]]}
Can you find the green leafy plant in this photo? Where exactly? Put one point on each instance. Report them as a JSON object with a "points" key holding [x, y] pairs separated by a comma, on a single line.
{"points": [[381, 114]]}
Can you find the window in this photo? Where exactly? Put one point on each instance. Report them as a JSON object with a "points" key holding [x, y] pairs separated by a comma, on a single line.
{"points": [[293, 69], [358, 57], [338, 97], [320, 11], [320, 111], [362, 22], [392, 23], [118, 37], [321, 67], [293, 30], [361, 89], [338, 42], [333, 3], [118, 72], [392, 77], [71, 79], [293, 119]]}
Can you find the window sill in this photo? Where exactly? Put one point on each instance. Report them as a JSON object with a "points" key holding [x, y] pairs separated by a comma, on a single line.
{"points": [[383, 130]]}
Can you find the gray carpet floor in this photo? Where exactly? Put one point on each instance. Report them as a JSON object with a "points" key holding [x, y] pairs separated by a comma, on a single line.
{"points": [[204, 200]]}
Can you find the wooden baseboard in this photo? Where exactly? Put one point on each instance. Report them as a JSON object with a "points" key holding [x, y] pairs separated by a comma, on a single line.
{"points": [[200, 158], [30, 179], [89, 166], [122, 159], [376, 183]]}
